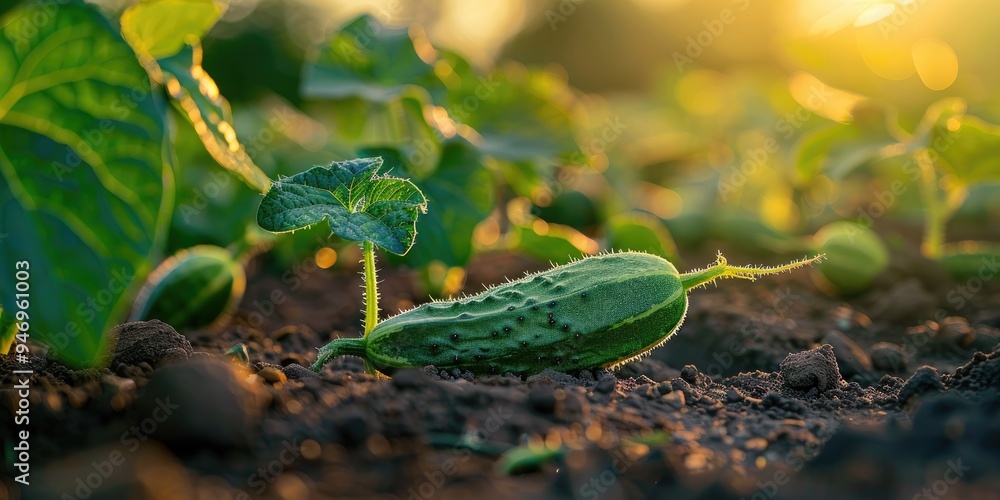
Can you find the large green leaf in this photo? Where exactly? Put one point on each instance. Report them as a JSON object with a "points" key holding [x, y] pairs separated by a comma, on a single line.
{"points": [[165, 35], [160, 28], [86, 187], [460, 194], [357, 202], [197, 97], [368, 60]]}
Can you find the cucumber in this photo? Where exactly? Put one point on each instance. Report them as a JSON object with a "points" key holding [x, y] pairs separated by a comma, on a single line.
{"points": [[600, 311]]}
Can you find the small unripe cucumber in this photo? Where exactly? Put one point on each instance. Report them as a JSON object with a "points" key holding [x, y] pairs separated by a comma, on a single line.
{"points": [[599, 311]]}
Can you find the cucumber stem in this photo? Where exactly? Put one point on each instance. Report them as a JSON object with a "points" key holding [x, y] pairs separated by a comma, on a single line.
{"points": [[936, 215], [339, 347], [371, 288], [721, 269], [371, 297]]}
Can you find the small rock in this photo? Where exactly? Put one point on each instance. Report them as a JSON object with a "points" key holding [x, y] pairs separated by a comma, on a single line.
{"points": [[888, 357], [926, 379], [410, 379], [813, 368], [675, 399], [542, 398], [198, 405], [352, 426], [153, 342], [690, 374], [733, 396], [606, 384], [646, 391], [954, 331], [851, 358], [296, 371], [272, 375], [118, 391]]}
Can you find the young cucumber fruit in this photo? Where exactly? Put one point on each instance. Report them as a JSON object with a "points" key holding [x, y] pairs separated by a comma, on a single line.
{"points": [[600, 311]]}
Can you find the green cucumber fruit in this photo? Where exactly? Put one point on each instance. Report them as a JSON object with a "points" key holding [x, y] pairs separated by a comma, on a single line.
{"points": [[600, 311], [197, 287], [855, 256]]}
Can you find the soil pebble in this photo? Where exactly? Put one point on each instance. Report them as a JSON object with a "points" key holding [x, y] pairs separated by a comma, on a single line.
{"points": [[888, 357], [154, 342], [925, 380], [198, 405], [813, 368]]}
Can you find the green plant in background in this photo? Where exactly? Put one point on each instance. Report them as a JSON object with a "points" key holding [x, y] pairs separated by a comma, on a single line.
{"points": [[87, 185], [462, 136], [601, 311], [359, 205], [947, 153], [89, 180]]}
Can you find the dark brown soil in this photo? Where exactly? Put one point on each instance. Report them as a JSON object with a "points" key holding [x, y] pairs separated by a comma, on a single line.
{"points": [[771, 390]]}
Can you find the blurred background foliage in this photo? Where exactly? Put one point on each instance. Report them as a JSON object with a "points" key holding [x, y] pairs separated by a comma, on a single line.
{"points": [[561, 128]]}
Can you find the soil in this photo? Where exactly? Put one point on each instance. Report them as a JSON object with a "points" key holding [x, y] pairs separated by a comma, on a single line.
{"points": [[770, 390]]}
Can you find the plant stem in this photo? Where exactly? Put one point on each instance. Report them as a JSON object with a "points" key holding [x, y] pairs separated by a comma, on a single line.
{"points": [[934, 222], [722, 269], [338, 347], [371, 288]]}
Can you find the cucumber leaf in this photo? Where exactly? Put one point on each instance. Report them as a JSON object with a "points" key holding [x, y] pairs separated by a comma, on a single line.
{"points": [[461, 195], [368, 60], [196, 96], [86, 191], [160, 28], [969, 149], [357, 203], [165, 35]]}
